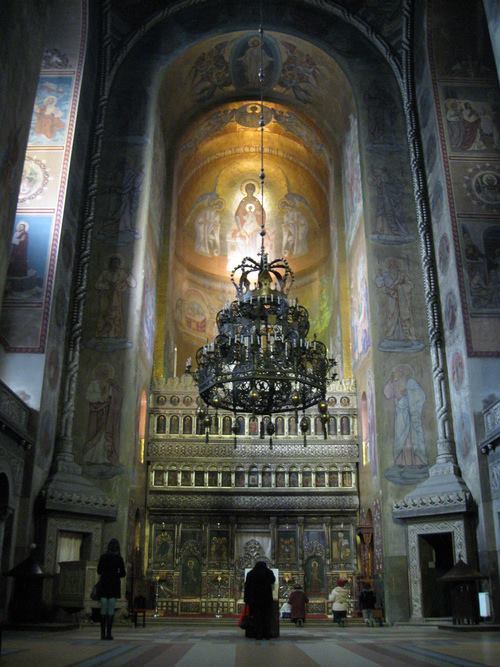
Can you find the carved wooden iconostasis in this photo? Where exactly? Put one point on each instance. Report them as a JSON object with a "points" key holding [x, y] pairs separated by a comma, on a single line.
{"points": [[216, 508]]}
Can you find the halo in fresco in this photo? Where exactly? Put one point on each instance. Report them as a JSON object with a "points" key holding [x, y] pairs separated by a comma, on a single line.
{"points": [[482, 185], [34, 180], [246, 61]]}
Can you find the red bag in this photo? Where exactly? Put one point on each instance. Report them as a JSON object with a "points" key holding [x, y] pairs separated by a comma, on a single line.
{"points": [[244, 621]]}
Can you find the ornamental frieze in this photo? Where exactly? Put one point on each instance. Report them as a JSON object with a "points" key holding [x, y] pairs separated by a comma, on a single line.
{"points": [[234, 502], [254, 451]]}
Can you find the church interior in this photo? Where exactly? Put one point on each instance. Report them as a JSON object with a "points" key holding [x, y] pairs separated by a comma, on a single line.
{"points": [[131, 152]]}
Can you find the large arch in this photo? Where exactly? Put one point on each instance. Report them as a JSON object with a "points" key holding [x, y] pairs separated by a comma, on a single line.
{"points": [[381, 248]]}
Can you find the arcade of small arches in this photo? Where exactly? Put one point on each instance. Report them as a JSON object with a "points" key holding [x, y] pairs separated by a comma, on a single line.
{"points": [[253, 476], [252, 425]]}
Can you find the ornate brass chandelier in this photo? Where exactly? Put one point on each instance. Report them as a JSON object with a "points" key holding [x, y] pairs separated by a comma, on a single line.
{"points": [[261, 361]]}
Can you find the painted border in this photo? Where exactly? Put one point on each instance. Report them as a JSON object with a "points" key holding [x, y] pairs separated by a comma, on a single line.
{"points": [[471, 352], [58, 210]]}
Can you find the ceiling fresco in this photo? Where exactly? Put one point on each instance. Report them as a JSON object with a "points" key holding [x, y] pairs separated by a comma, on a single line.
{"points": [[219, 200], [212, 144], [384, 18], [297, 74]]}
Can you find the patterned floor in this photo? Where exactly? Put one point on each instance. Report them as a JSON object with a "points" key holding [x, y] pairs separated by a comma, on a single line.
{"points": [[197, 646]]}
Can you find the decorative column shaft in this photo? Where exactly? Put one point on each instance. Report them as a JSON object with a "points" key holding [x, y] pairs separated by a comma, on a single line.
{"points": [[445, 486], [65, 440], [67, 490]]}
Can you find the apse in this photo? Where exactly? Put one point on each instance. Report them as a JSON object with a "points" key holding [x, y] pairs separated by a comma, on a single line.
{"points": [[214, 163]]}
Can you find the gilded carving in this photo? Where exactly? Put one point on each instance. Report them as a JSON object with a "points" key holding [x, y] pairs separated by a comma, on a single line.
{"points": [[252, 451], [250, 502]]}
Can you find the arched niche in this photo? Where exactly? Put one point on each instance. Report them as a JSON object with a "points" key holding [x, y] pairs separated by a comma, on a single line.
{"points": [[353, 94], [350, 74], [160, 105]]}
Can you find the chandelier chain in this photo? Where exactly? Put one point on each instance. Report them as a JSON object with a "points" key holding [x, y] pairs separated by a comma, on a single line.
{"points": [[262, 175], [260, 361]]}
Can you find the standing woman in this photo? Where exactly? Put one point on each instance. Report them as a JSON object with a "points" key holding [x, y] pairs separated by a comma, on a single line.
{"points": [[340, 598], [110, 568]]}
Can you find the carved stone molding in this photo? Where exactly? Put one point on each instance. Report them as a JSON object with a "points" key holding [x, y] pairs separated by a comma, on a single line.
{"points": [[79, 502], [432, 504], [13, 409], [213, 502], [457, 528], [492, 418]]}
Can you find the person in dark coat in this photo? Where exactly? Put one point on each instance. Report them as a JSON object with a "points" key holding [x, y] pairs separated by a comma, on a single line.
{"points": [[298, 600], [258, 596], [367, 602], [111, 569]]}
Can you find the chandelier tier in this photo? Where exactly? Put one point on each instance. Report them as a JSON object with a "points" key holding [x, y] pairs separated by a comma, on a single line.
{"points": [[261, 361]]}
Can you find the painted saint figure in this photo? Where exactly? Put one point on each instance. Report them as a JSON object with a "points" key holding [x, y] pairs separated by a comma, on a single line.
{"points": [[218, 549], [191, 577], [395, 283], [244, 238], [341, 547], [103, 430], [314, 576], [48, 117], [111, 285], [409, 398], [360, 316], [249, 214], [398, 287], [390, 226], [252, 60], [207, 227], [164, 545], [18, 262], [295, 226], [123, 194]]}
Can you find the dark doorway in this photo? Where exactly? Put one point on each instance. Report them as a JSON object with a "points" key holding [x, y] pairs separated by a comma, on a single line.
{"points": [[436, 558]]}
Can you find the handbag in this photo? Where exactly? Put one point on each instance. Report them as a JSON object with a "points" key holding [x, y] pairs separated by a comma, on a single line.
{"points": [[95, 593], [244, 622]]}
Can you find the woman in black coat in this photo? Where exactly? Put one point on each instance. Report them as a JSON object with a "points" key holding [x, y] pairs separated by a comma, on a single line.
{"points": [[111, 569], [259, 597]]}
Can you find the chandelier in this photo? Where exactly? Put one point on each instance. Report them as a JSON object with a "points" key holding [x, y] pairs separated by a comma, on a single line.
{"points": [[261, 361]]}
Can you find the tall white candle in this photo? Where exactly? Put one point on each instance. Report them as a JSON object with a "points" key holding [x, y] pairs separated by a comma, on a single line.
{"points": [[175, 362]]}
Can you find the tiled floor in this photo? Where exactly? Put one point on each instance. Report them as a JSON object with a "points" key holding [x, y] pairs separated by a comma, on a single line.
{"points": [[196, 645]]}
